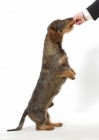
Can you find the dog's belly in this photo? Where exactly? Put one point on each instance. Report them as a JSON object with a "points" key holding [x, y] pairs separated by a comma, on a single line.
{"points": [[47, 87], [55, 85]]}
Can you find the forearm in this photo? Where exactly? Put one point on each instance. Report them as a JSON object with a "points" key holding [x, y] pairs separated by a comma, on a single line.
{"points": [[86, 14], [93, 10]]}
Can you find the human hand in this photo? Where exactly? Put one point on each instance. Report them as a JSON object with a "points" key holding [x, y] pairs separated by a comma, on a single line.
{"points": [[79, 18]]}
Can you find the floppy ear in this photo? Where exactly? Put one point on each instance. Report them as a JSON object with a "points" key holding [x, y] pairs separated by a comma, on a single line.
{"points": [[54, 36]]}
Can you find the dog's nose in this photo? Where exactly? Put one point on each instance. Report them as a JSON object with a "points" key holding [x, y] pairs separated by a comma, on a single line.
{"points": [[70, 18]]}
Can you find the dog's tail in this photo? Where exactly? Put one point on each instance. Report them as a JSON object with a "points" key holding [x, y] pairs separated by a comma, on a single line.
{"points": [[21, 121]]}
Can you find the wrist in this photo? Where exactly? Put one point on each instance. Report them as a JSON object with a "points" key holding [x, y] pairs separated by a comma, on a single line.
{"points": [[86, 15]]}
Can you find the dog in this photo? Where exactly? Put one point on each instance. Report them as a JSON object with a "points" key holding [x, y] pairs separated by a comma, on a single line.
{"points": [[54, 72]]}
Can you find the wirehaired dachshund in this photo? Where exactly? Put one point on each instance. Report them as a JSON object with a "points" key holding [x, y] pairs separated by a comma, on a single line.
{"points": [[54, 72]]}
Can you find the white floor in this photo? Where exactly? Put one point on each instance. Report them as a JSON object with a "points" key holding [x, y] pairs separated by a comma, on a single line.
{"points": [[67, 131]]}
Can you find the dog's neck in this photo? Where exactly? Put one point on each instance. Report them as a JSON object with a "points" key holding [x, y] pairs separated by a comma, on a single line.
{"points": [[60, 47], [51, 48]]}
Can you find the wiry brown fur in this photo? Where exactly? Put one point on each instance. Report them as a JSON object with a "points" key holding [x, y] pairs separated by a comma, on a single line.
{"points": [[54, 72]]}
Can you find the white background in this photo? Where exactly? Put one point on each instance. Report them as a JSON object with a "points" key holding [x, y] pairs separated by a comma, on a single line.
{"points": [[23, 26]]}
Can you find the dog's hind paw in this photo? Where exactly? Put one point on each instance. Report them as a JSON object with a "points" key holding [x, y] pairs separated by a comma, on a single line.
{"points": [[46, 127]]}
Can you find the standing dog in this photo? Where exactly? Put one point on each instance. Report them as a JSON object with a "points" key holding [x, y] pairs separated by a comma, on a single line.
{"points": [[54, 72]]}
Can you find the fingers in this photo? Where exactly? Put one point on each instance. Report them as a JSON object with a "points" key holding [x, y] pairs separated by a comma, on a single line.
{"points": [[79, 18], [79, 21]]}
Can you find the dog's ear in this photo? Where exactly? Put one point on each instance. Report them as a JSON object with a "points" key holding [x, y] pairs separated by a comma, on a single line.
{"points": [[54, 36]]}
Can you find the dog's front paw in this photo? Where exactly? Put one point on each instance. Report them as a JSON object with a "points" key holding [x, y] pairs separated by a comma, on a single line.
{"points": [[68, 74], [73, 71], [71, 76]]}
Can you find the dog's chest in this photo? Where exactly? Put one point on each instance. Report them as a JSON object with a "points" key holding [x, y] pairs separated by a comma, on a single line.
{"points": [[63, 60]]}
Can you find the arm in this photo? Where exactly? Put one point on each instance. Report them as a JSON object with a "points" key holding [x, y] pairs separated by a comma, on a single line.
{"points": [[93, 9], [91, 12]]}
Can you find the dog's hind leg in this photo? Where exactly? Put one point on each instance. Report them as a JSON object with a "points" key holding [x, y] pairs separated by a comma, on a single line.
{"points": [[42, 125], [40, 118], [21, 121], [45, 127], [48, 123]]}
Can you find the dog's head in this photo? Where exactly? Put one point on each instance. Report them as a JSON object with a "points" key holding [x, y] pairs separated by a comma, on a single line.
{"points": [[58, 28]]}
